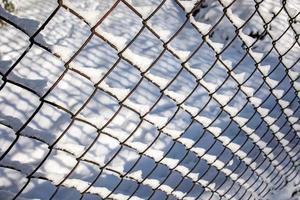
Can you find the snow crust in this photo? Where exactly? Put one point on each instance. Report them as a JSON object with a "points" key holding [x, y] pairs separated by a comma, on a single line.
{"points": [[96, 129]]}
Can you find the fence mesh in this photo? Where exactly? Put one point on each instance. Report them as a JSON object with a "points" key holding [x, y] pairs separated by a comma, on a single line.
{"points": [[150, 100]]}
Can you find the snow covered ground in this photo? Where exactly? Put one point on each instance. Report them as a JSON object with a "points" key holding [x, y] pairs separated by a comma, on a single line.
{"points": [[145, 99]]}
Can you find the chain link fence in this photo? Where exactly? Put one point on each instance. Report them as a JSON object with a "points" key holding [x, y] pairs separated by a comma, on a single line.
{"points": [[170, 99]]}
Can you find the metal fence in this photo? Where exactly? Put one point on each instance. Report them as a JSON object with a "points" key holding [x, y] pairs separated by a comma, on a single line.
{"points": [[252, 153]]}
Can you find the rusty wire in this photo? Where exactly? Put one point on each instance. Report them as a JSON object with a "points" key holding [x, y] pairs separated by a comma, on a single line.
{"points": [[279, 174]]}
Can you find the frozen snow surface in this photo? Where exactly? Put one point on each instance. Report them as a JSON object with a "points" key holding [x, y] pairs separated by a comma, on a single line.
{"points": [[150, 99]]}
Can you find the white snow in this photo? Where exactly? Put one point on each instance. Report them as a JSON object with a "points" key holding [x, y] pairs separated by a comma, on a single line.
{"points": [[142, 62], [248, 130], [225, 140], [203, 120], [173, 133], [210, 86], [142, 109], [256, 55], [101, 191], [263, 111], [8, 180], [188, 5], [234, 147], [297, 85], [197, 72], [264, 69], [240, 153], [90, 16], [209, 158], [118, 41], [288, 112], [217, 46], [137, 175], [45, 126], [57, 166], [166, 188], [66, 33], [16, 105], [120, 92], [278, 93], [151, 182], [159, 121], [67, 93], [76, 183], [275, 128], [38, 70], [273, 83], [139, 146], [236, 20], [187, 142], [240, 120], [162, 82], [293, 119], [248, 90], [26, 151], [255, 137], [64, 52], [247, 39], [222, 99], [7, 136], [183, 55], [184, 170], [155, 154], [283, 103], [231, 110], [255, 101], [164, 34], [219, 164], [269, 120], [178, 97], [202, 27], [294, 75], [199, 151], [239, 77], [190, 109], [216, 131]]}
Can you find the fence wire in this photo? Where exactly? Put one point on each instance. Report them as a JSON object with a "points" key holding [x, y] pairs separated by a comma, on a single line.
{"points": [[224, 130]]}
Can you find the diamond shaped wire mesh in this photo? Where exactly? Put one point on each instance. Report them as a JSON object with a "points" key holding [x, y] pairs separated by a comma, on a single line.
{"points": [[154, 102]]}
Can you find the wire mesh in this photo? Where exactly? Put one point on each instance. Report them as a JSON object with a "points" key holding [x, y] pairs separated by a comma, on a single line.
{"points": [[213, 148]]}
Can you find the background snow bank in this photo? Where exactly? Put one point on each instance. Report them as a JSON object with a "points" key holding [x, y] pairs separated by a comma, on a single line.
{"points": [[140, 113]]}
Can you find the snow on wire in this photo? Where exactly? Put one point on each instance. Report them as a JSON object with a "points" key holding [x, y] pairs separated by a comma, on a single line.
{"points": [[154, 99]]}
